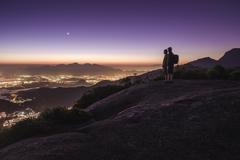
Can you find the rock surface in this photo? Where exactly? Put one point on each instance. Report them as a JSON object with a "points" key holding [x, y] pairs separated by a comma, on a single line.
{"points": [[191, 120], [231, 58]]}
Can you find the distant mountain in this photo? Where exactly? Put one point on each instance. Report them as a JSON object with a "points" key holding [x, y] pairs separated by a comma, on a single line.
{"points": [[229, 60], [74, 69], [206, 62]]}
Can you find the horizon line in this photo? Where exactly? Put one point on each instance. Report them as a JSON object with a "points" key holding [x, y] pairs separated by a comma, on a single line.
{"points": [[104, 64]]}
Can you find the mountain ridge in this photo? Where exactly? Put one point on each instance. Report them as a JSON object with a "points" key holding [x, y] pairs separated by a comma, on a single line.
{"points": [[230, 59], [73, 68]]}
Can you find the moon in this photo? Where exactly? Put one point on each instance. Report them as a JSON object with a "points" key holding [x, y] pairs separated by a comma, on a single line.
{"points": [[68, 33]]}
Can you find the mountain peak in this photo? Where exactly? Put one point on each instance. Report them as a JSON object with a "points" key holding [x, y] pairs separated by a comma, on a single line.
{"points": [[74, 64], [233, 51], [205, 62], [207, 58], [231, 58]]}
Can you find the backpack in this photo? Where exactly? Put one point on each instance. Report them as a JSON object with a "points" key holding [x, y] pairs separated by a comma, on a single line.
{"points": [[175, 59]]}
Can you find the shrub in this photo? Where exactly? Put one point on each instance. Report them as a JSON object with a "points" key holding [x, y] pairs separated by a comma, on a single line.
{"points": [[190, 72], [49, 122], [235, 75], [126, 82], [217, 72], [23, 129], [97, 94], [64, 116]]}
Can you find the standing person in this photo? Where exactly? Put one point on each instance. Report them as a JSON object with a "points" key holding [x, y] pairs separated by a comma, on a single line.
{"points": [[164, 64], [170, 64]]}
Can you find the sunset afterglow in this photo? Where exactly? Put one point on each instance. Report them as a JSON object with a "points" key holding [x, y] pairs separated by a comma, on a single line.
{"points": [[111, 32]]}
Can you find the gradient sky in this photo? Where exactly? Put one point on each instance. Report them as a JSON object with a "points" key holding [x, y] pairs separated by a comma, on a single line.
{"points": [[116, 31]]}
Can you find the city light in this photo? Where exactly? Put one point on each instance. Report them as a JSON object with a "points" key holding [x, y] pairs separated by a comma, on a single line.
{"points": [[29, 81], [11, 85], [18, 116]]}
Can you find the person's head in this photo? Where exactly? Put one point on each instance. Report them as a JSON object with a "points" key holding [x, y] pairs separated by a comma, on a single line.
{"points": [[165, 51], [169, 49]]}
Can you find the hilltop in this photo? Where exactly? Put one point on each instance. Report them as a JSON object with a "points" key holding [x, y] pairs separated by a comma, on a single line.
{"points": [[153, 120], [230, 59], [206, 62]]}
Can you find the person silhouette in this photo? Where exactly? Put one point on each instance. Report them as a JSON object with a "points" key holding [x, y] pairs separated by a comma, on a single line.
{"points": [[170, 64], [164, 64]]}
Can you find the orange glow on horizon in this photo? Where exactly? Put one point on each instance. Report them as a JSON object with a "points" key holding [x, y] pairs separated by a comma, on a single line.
{"points": [[109, 63], [103, 59]]}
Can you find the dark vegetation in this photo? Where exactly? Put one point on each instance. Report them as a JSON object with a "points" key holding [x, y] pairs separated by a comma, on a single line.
{"points": [[235, 74], [97, 94], [217, 72], [51, 121]]}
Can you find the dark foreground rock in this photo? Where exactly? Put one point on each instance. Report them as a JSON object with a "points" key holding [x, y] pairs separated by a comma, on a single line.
{"points": [[187, 120]]}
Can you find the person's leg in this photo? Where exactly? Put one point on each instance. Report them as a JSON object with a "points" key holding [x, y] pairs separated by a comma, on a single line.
{"points": [[171, 73], [165, 73], [170, 77]]}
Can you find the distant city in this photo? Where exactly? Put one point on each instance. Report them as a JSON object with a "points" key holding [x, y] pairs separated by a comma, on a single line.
{"points": [[15, 79], [72, 75]]}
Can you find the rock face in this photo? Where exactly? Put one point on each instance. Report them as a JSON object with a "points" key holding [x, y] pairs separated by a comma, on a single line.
{"points": [[229, 60], [191, 120]]}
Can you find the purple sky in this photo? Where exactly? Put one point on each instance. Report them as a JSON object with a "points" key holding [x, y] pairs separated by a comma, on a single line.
{"points": [[116, 31]]}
